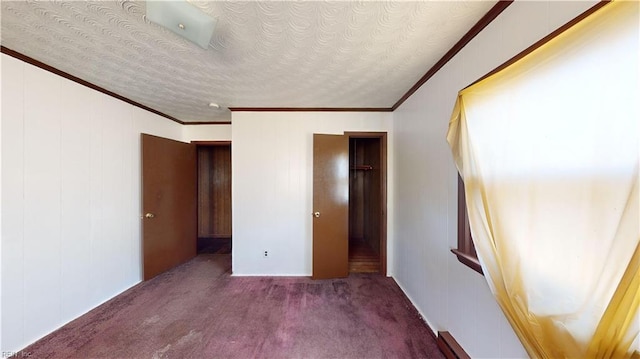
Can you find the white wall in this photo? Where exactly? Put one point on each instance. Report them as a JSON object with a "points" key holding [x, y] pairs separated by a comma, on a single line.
{"points": [[70, 199], [272, 163], [206, 133], [450, 295]]}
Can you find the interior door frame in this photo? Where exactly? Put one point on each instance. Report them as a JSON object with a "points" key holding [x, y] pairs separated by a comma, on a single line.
{"points": [[383, 191], [213, 144]]}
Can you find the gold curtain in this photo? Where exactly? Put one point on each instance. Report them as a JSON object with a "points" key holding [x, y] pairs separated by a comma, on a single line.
{"points": [[549, 152]]}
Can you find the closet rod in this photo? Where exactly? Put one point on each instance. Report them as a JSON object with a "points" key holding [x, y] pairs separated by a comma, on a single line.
{"points": [[362, 167]]}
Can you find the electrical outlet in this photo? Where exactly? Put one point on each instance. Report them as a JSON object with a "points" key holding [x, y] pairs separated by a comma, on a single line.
{"points": [[266, 254]]}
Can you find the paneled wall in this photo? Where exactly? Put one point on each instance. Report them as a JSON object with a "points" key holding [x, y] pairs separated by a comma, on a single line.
{"points": [[450, 295], [272, 160], [70, 199]]}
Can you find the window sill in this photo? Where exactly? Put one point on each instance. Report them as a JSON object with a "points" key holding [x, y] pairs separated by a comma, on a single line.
{"points": [[468, 260]]}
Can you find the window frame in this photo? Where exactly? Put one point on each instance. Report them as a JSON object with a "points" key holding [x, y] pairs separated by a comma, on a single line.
{"points": [[466, 251]]}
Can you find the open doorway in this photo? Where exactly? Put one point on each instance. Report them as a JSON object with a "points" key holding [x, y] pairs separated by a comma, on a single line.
{"points": [[214, 197], [367, 202]]}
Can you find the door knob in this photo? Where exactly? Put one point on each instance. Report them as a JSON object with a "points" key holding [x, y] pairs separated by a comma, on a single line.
{"points": [[316, 214], [149, 215]]}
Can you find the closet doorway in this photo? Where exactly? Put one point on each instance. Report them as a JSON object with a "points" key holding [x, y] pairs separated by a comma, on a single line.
{"points": [[214, 197], [367, 202]]}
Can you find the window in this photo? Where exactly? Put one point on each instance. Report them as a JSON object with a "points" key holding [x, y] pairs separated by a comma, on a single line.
{"points": [[548, 148], [466, 251]]}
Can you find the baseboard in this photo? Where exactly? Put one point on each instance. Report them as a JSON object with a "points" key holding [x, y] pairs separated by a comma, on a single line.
{"points": [[424, 318], [450, 347]]}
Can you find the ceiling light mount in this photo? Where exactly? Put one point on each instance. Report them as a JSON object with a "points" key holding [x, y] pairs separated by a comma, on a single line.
{"points": [[184, 19], [214, 106]]}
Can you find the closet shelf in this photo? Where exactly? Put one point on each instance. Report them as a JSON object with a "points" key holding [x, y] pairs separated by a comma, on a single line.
{"points": [[362, 167]]}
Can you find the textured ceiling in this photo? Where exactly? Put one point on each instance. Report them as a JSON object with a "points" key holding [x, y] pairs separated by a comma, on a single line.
{"points": [[262, 54]]}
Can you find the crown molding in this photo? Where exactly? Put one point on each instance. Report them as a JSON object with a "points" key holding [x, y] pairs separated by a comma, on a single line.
{"points": [[545, 39], [310, 109], [80, 81], [491, 15], [475, 30], [206, 123]]}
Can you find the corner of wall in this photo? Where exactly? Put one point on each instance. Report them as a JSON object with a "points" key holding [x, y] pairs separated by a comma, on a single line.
{"points": [[82, 148]]}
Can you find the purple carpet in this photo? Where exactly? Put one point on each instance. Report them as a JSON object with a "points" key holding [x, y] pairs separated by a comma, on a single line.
{"points": [[198, 310]]}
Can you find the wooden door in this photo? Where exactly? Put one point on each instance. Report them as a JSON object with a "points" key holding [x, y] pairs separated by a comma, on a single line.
{"points": [[330, 206], [169, 197]]}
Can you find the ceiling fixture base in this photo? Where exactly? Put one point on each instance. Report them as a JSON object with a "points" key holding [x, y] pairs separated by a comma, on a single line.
{"points": [[184, 19]]}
